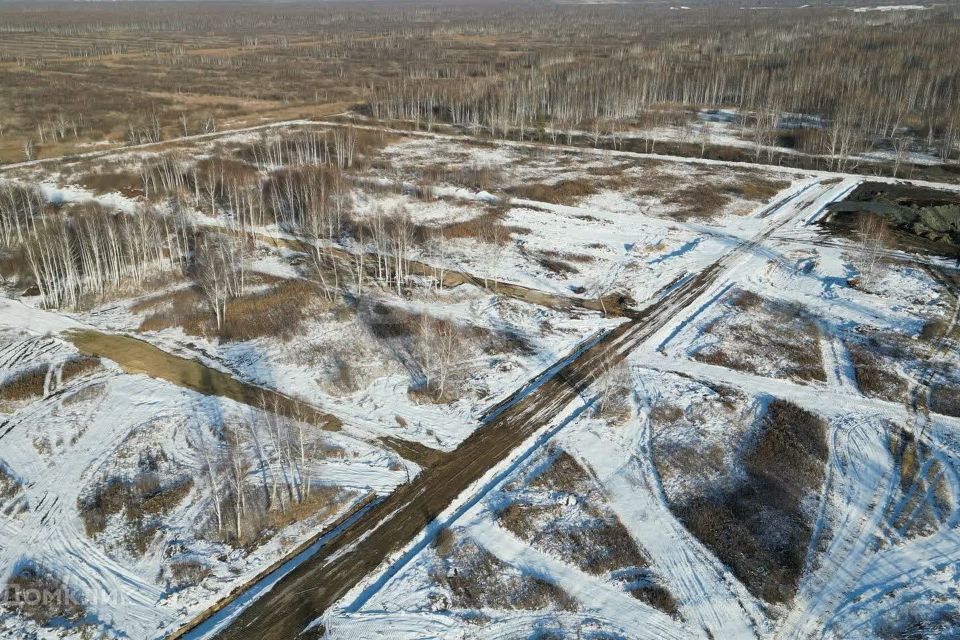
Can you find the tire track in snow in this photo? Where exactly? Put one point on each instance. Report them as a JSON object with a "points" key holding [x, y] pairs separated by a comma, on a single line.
{"points": [[864, 484], [387, 530], [51, 532], [613, 604], [836, 361], [707, 595], [895, 567]]}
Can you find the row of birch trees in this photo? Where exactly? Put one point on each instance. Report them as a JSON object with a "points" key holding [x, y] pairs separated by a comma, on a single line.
{"points": [[89, 250], [257, 469]]}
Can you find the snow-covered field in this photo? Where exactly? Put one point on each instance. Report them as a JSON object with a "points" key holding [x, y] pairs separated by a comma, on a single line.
{"points": [[593, 528]]}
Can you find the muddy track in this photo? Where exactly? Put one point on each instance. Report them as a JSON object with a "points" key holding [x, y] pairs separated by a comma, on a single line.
{"points": [[313, 587]]}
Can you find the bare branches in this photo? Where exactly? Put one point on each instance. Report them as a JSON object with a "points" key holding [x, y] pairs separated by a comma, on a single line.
{"points": [[91, 251], [218, 271], [872, 232]]}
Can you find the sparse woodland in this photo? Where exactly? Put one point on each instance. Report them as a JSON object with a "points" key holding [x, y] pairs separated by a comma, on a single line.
{"points": [[823, 80]]}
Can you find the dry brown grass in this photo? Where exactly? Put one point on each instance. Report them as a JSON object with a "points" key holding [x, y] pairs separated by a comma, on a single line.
{"points": [[598, 543], [323, 500], [488, 227], [688, 462], [126, 183], [564, 192], [564, 474], [658, 597], [78, 366], [699, 201], [142, 501], [765, 337], [945, 399], [344, 378], [757, 527], [756, 188], [561, 263], [665, 414], [260, 521], [55, 601], [709, 195], [24, 385], [555, 264], [473, 176], [186, 573], [277, 312], [478, 580], [444, 542], [183, 309], [875, 377], [9, 486], [791, 450]]}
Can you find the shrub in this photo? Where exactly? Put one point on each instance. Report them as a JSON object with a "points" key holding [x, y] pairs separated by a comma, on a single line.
{"points": [[9, 485], [556, 266], [657, 597], [141, 501], [78, 366], [701, 201], [126, 183], [55, 601], [444, 542], [473, 176], [874, 376], [24, 385], [756, 527], [563, 192], [276, 312], [487, 227], [756, 188], [186, 573], [791, 450], [479, 580], [945, 399]]}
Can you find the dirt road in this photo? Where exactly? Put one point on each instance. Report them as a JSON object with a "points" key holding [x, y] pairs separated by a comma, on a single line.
{"points": [[300, 597], [138, 356]]}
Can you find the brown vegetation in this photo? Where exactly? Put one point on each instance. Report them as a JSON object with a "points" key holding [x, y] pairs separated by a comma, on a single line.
{"points": [[487, 227], [925, 503], [79, 366], [563, 192], [186, 573], [517, 69], [142, 501], [756, 527], [875, 376], [24, 385], [598, 542], [945, 398], [657, 596], [9, 485], [39, 594], [765, 337], [477, 580], [278, 312], [476, 177]]}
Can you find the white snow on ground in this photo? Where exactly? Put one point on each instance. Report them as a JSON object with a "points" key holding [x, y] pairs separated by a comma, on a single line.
{"points": [[622, 462], [891, 7], [860, 471], [56, 447], [60, 446]]}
